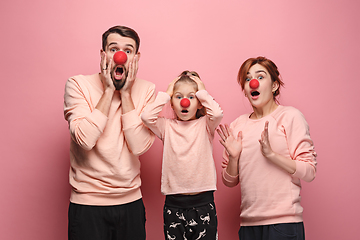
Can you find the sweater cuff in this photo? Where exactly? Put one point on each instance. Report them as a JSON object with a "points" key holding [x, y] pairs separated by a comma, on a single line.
{"points": [[304, 171], [300, 169], [228, 178], [98, 118], [202, 93], [163, 96], [130, 119]]}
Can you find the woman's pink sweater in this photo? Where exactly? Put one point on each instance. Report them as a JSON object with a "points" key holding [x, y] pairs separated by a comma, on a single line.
{"points": [[270, 195]]}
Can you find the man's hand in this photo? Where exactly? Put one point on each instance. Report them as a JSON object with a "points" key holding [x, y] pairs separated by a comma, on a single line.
{"points": [[131, 77], [105, 73]]}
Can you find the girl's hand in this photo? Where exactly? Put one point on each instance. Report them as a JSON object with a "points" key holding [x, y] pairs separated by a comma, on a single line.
{"points": [[232, 145], [170, 88], [265, 143], [201, 85]]}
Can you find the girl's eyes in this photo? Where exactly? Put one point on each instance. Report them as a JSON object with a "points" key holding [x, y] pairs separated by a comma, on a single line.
{"points": [[260, 77], [180, 97], [128, 51], [247, 79]]}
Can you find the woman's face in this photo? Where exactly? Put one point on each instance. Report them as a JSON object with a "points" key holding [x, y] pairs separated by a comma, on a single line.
{"points": [[260, 94]]}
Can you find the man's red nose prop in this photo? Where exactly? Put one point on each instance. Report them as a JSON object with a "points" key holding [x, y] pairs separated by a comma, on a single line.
{"points": [[185, 102], [254, 83], [120, 58]]}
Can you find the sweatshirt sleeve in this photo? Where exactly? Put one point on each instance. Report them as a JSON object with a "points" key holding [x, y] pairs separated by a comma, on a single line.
{"points": [[150, 116], [213, 110], [228, 180], [138, 137], [301, 146], [86, 124]]}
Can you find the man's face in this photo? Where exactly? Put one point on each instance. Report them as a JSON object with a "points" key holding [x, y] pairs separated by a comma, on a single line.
{"points": [[116, 42]]}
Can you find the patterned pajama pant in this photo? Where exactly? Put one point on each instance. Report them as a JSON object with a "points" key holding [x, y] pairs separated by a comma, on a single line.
{"points": [[190, 217]]}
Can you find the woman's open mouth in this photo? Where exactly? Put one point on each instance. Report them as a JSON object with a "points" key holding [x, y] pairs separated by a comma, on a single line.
{"points": [[255, 93]]}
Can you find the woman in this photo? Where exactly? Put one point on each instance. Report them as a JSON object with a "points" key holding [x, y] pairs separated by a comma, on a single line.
{"points": [[268, 152]]}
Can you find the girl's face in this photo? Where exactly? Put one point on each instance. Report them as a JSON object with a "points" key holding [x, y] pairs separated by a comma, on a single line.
{"points": [[185, 90], [262, 95]]}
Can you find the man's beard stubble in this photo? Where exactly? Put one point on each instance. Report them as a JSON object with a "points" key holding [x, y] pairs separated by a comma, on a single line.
{"points": [[119, 84]]}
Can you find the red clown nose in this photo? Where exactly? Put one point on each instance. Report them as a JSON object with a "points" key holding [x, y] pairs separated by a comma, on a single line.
{"points": [[185, 102], [120, 58], [254, 84]]}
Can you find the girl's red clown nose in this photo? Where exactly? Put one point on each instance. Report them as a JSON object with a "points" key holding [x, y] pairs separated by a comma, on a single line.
{"points": [[185, 102]]}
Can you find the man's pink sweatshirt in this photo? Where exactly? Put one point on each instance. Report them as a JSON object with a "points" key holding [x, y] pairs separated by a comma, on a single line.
{"points": [[104, 151]]}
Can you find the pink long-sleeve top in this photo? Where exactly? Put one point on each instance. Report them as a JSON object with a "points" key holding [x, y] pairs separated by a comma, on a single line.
{"points": [[104, 151], [270, 195], [188, 164]]}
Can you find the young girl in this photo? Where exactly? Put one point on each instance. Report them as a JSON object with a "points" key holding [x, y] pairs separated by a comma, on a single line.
{"points": [[268, 151], [188, 171]]}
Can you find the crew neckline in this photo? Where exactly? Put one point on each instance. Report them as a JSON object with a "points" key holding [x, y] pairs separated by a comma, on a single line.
{"points": [[269, 115]]}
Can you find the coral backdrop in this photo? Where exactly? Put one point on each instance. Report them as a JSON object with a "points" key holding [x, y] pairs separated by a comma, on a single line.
{"points": [[314, 43]]}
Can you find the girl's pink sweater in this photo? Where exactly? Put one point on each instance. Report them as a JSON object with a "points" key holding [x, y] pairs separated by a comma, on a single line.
{"points": [[188, 164]]}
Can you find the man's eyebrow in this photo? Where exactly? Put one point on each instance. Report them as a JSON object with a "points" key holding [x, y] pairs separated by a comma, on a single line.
{"points": [[115, 43]]}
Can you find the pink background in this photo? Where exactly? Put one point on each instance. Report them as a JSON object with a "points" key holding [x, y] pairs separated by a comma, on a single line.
{"points": [[314, 43]]}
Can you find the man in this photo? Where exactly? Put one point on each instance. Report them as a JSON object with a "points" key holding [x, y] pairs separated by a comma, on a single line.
{"points": [[107, 136]]}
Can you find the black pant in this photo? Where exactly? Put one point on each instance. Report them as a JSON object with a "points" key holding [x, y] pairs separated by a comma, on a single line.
{"points": [[120, 222], [283, 231], [190, 217]]}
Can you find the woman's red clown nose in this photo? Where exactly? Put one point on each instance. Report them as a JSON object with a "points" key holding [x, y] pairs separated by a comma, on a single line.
{"points": [[254, 83]]}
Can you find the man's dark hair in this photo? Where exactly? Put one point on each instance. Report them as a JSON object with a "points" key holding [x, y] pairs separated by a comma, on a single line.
{"points": [[122, 31]]}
